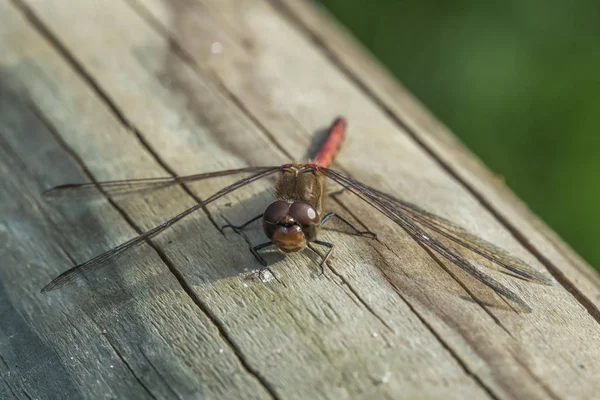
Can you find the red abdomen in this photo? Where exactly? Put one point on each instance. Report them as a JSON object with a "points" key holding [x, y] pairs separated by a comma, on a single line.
{"points": [[335, 135]]}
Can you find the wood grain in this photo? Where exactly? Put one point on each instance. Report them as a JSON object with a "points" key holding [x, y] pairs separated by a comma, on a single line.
{"points": [[114, 90]]}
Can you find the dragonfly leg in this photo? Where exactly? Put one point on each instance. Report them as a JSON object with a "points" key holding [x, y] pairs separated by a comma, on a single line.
{"points": [[240, 227], [258, 247], [358, 232], [326, 257]]}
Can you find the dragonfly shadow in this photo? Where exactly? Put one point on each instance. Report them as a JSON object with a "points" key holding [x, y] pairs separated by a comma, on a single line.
{"points": [[193, 253], [201, 253], [478, 292], [499, 304], [315, 143]]}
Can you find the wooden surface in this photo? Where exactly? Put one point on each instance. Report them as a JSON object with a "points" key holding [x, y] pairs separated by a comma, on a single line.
{"points": [[143, 88]]}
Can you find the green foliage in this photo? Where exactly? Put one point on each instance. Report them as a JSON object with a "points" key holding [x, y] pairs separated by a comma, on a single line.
{"points": [[517, 81]]}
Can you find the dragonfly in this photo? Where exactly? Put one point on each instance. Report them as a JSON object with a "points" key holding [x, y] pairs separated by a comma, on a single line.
{"points": [[293, 221]]}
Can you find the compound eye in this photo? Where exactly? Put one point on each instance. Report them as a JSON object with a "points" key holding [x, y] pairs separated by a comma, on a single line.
{"points": [[304, 213], [276, 211]]}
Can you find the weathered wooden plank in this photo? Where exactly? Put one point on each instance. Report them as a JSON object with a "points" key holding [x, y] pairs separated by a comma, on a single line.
{"points": [[263, 58], [315, 327], [134, 101]]}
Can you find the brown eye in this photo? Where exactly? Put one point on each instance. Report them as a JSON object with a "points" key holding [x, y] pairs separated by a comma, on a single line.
{"points": [[276, 211], [304, 213]]}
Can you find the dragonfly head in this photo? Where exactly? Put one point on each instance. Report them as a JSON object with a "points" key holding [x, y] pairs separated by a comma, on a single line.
{"points": [[290, 225]]}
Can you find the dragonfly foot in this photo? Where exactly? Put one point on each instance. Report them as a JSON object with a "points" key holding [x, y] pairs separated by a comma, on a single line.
{"points": [[235, 228], [327, 217], [322, 269], [261, 274], [326, 257], [255, 250], [373, 235]]}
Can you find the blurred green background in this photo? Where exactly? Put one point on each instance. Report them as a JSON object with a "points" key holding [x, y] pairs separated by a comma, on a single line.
{"points": [[517, 81]]}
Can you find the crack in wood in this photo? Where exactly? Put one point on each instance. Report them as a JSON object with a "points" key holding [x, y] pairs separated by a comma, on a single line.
{"points": [[446, 345], [4, 362], [489, 391], [359, 298], [71, 323], [470, 292], [536, 378], [357, 302], [26, 394], [151, 364], [4, 378], [122, 358]]}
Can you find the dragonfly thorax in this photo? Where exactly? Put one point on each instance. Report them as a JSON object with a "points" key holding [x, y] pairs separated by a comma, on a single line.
{"points": [[301, 182], [290, 225]]}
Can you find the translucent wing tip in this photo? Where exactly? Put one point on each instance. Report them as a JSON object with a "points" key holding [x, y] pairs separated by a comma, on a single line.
{"points": [[61, 190], [547, 280], [52, 191], [48, 288], [527, 272], [54, 284], [523, 307], [63, 279]]}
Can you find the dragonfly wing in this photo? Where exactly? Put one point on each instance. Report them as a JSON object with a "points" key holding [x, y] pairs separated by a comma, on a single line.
{"points": [[388, 206], [449, 254], [79, 190], [474, 243], [101, 260]]}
